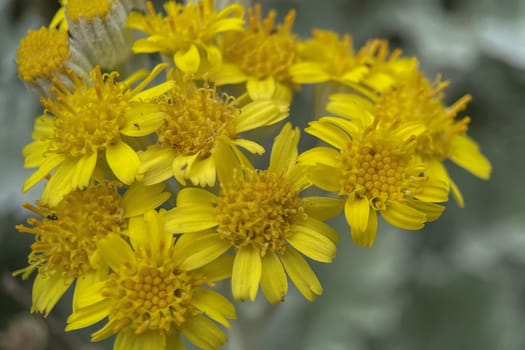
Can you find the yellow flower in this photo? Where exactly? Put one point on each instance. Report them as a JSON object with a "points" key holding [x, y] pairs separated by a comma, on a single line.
{"points": [[187, 32], [375, 168], [149, 299], [195, 118], [85, 122], [259, 214], [415, 99], [45, 54], [67, 235], [328, 57], [261, 56]]}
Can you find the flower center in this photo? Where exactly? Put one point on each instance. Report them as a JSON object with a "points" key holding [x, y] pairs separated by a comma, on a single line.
{"points": [[42, 52], [257, 210], [67, 235], [374, 171], [88, 118], [151, 297], [262, 50], [77, 9], [195, 119]]}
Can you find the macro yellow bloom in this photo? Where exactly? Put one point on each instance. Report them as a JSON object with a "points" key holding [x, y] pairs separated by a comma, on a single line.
{"points": [[187, 33], [259, 214], [195, 118], [329, 57], [415, 99], [66, 236], [45, 54], [83, 128], [260, 56], [374, 167], [149, 299]]}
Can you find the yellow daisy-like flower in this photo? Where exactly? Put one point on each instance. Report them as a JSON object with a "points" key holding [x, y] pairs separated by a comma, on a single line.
{"points": [[187, 32], [375, 168], [261, 56], [86, 125], [328, 57], [45, 54], [259, 214], [415, 99], [195, 118], [150, 299], [67, 235]]}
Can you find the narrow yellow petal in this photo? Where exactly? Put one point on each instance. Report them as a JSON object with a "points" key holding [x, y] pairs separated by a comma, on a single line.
{"points": [[323, 208], [88, 316], [311, 243], [226, 160], [203, 333], [138, 198], [323, 155], [47, 291], [308, 73], [188, 61], [219, 269], [35, 153], [357, 213], [434, 191], [182, 165], [143, 125], [123, 161], [456, 192], [329, 133], [432, 211], [261, 113], [214, 305], [191, 195], [261, 89], [325, 177], [246, 273], [228, 74], [86, 288], [403, 216], [115, 251], [301, 274], [83, 170], [352, 106], [195, 251], [466, 153], [156, 165], [203, 172], [50, 163], [367, 237], [284, 150], [191, 218], [274, 283], [59, 184], [250, 146]]}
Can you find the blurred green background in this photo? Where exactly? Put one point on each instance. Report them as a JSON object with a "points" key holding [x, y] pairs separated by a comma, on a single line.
{"points": [[457, 284]]}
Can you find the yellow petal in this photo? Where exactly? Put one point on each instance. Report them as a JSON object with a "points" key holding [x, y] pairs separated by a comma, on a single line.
{"points": [[260, 113], [143, 125], [115, 251], [284, 150], [328, 133], [323, 208], [156, 165], [357, 213], [203, 172], [191, 195], [466, 153], [301, 274], [196, 250], [246, 273], [182, 165], [47, 291], [250, 146], [323, 155], [228, 74], [431, 210], [192, 218], [188, 61], [123, 161], [456, 192], [263, 89], [203, 333], [403, 216], [367, 237], [308, 72], [50, 163], [214, 305], [83, 170], [138, 198], [311, 243], [274, 283], [325, 177], [59, 184], [219, 269], [434, 191], [88, 316]]}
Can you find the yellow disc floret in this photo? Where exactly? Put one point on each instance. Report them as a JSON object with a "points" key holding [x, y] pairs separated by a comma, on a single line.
{"points": [[151, 297], [195, 119], [263, 50], [257, 210], [77, 9], [67, 235], [42, 53], [89, 118]]}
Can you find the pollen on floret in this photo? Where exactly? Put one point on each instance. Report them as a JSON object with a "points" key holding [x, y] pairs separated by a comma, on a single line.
{"points": [[42, 53], [77, 9], [263, 49], [195, 118], [257, 210]]}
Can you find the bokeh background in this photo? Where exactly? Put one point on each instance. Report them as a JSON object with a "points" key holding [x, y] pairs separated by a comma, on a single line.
{"points": [[458, 284]]}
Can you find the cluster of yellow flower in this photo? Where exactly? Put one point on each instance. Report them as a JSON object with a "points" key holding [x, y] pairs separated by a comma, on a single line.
{"points": [[110, 147]]}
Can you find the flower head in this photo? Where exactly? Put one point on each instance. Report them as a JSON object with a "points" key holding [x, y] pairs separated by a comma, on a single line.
{"points": [[187, 32], [149, 299], [195, 119], [415, 99], [259, 214], [375, 168], [261, 55], [328, 57], [45, 54], [67, 235], [86, 121]]}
